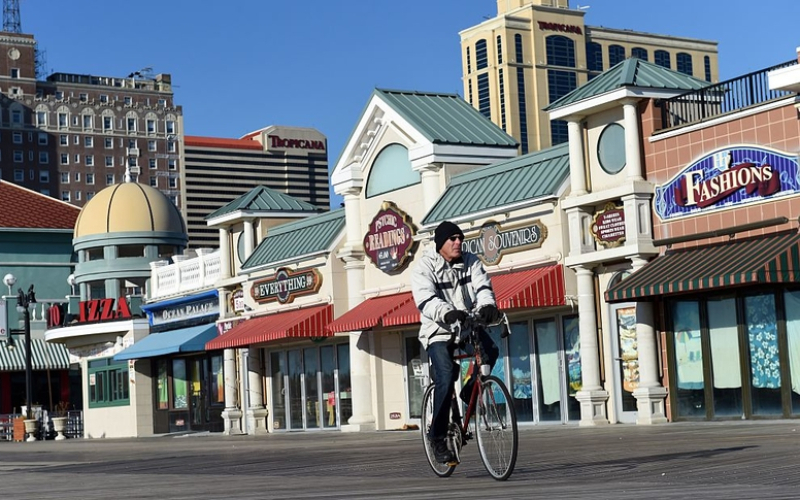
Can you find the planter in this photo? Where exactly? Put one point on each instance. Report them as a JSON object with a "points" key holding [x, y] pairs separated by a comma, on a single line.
{"points": [[30, 428], [60, 425]]}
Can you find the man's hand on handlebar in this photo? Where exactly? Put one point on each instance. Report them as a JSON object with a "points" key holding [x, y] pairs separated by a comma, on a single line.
{"points": [[488, 314], [455, 315]]}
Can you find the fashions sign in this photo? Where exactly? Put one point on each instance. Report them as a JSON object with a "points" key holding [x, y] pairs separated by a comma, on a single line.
{"points": [[492, 242], [286, 285], [389, 239], [729, 177]]}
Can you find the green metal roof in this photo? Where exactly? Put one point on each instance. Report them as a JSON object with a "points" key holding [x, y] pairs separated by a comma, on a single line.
{"points": [[445, 118], [631, 72], [264, 199], [535, 175], [313, 234]]}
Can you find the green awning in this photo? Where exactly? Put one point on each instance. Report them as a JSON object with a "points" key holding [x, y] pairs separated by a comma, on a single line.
{"points": [[749, 261], [44, 355]]}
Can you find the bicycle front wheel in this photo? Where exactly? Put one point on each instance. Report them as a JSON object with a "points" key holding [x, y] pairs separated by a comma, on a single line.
{"points": [[440, 469], [496, 428]]}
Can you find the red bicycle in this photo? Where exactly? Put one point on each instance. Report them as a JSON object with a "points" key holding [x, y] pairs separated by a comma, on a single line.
{"points": [[495, 422]]}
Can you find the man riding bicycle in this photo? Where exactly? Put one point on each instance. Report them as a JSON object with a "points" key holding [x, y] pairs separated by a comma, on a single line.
{"points": [[448, 284]]}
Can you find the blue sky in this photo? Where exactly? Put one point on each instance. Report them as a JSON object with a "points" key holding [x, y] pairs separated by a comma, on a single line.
{"points": [[240, 65]]}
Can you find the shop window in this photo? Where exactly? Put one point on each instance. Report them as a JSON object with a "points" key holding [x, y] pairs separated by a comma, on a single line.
{"points": [[180, 385], [520, 382], [572, 352], [765, 368], [726, 370], [689, 381], [217, 380], [792, 307], [108, 383]]}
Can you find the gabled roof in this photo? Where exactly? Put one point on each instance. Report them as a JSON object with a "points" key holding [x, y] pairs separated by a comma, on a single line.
{"points": [[631, 72], [314, 234], [533, 176], [22, 208], [445, 118], [264, 199]]}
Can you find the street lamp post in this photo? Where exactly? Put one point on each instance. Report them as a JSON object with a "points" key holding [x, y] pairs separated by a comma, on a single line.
{"points": [[24, 300]]}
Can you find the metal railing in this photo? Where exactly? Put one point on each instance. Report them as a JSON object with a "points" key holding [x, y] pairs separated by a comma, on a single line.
{"points": [[715, 100]]}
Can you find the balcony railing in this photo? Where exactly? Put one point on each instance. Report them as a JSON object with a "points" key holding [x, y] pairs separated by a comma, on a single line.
{"points": [[721, 98], [184, 275]]}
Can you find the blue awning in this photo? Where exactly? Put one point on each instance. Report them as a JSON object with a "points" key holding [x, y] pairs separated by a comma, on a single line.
{"points": [[192, 339]]}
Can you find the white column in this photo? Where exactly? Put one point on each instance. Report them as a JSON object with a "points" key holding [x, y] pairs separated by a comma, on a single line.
{"points": [[224, 254], [591, 396], [633, 157], [231, 416], [431, 189], [256, 411], [352, 215], [577, 165], [249, 238], [650, 395]]}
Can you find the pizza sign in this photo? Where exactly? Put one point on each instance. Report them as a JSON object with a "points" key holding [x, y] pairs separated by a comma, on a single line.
{"points": [[389, 238]]}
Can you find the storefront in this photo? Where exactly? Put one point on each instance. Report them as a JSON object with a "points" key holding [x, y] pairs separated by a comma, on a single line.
{"points": [[187, 381]]}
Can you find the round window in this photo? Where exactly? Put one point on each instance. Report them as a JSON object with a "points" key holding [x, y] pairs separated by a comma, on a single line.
{"points": [[611, 148]]}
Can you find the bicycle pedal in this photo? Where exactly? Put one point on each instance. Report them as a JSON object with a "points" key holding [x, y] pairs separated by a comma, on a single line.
{"points": [[452, 463]]}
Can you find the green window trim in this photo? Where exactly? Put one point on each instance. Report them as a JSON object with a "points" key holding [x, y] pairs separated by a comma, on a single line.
{"points": [[108, 383]]}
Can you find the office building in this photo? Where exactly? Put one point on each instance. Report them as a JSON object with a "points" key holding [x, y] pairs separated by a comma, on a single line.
{"points": [[536, 51], [290, 160]]}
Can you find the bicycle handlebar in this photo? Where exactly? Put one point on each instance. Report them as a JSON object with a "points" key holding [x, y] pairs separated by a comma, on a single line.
{"points": [[464, 329]]}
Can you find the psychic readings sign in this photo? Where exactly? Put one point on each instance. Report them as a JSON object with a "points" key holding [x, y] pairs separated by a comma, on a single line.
{"points": [[389, 238]]}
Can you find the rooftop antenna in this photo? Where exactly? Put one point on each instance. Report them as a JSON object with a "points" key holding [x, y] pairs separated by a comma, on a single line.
{"points": [[11, 19]]}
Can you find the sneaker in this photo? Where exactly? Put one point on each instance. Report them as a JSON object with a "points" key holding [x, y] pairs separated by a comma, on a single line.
{"points": [[441, 452], [466, 393]]}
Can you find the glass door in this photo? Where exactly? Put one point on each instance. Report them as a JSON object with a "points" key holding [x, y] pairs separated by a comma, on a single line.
{"points": [[328, 374], [313, 404], [416, 374], [626, 357], [197, 399], [294, 388]]}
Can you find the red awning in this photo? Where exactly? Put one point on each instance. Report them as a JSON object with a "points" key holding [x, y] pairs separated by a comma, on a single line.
{"points": [[371, 313], [300, 323], [538, 287]]}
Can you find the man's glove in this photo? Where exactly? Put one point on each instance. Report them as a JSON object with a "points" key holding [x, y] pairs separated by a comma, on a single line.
{"points": [[455, 315], [488, 314]]}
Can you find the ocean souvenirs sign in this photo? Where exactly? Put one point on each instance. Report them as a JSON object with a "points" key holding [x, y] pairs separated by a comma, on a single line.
{"points": [[492, 242], [729, 177], [286, 285], [389, 238]]}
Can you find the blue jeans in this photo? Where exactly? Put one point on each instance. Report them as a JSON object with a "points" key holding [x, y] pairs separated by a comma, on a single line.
{"points": [[445, 372]]}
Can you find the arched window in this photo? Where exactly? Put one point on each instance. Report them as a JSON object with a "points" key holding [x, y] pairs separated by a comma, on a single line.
{"points": [[707, 67], [390, 171], [616, 54], [594, 56], [663, 59], [499, 49], [684, 64], [639, 53], [481, 59], [518, 48], [469, 62], [560, 51]]}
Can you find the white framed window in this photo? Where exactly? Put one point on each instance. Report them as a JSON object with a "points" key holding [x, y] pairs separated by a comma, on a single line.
{"points": [[131, 125], [16, 117], [109, 161], [103, 98], [87, 122], [64, 177], [42, 139], [152, 163], [64, 158], [19, 175], [83, 97], [162, 102], [89, 159], [151, 145], [77, 176], [63, 120], [88, 141], [14, 72], [17, 137], [171, 147], [77, 195], [153, 181], [108, 123], [170, 126], [63, 140], [108, 143], [76, 159], [16, 91], [74, 121], [18, 156], [41, 118], [44, 176], [172, 164], [44, 157], [64, 197], [76, 139], [173, 182], [59, 95], [128, 100], [151, 127], [109, 179], [89, 195], [89, 178]]}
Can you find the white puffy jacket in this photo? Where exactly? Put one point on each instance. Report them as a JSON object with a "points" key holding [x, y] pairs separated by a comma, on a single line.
{"points": [[440, 287]]}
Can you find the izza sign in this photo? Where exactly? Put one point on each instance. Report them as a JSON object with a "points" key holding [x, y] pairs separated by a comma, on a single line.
{"points": [[729, 177]]}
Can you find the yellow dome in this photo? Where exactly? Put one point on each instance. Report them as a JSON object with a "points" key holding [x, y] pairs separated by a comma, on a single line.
{"points": [[129, 207]]}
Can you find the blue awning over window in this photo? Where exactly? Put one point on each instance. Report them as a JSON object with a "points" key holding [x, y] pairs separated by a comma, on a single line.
{"points": [[191, 339]]}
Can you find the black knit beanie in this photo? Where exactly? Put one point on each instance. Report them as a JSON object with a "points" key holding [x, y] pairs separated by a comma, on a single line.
{"points": [[444, 231]]}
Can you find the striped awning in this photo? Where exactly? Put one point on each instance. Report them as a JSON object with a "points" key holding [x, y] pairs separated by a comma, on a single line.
{"points": [[44, 355], [760, 260], [308, 322], [538, 287]]}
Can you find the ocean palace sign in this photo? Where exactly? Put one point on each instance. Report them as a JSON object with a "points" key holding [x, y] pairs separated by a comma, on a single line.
{"points": [[730, 177], [286, 285], [492, 242]]}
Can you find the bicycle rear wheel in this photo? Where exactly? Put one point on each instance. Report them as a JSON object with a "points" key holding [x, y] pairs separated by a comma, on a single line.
{"points": [[496, 428], [440, 469]]}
